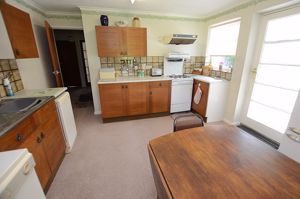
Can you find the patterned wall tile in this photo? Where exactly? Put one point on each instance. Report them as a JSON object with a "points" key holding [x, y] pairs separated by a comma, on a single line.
{"points": [[9, 67], [190, 64]]}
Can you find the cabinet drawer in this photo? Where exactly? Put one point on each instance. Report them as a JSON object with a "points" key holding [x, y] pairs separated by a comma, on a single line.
{"points": [[16, 136], [160, 84], [44, 113]]}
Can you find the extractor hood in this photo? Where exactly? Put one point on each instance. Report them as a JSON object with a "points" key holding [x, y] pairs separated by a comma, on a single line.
{"points": [[179, 39]]}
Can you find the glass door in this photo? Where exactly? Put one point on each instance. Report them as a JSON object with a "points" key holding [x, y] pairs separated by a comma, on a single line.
{"points": [[275, 82]]}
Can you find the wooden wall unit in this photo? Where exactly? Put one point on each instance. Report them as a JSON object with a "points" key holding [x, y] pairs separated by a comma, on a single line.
{"points": [[20, 32], [202, 106], [132, 99], [42, 135], [118, 41], [213, 100]]}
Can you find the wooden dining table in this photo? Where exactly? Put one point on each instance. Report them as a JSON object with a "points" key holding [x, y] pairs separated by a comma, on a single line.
{"points": [[218, 162]]}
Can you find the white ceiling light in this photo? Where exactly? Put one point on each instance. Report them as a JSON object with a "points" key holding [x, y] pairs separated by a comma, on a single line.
{"points": [[132, 1]]}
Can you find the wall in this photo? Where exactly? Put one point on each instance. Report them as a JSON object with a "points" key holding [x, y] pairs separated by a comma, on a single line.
{"points": [[36, 73], [65, 22], [156, 29], [249, 28]]}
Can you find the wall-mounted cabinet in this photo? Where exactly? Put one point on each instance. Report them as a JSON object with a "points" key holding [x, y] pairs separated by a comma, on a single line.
{"points": [[118, 41], [6, 51], [20, 32]]}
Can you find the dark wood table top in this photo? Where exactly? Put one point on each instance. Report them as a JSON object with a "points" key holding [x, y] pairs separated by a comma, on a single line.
{"points": [[222, 161]]}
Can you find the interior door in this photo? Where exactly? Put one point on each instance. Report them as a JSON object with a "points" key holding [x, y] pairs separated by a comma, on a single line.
{"points": [[275, 81], [68, 62], [53, 54]]}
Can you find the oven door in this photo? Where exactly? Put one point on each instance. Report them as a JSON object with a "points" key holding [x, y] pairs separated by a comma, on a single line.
{"points": [[181, 96]]}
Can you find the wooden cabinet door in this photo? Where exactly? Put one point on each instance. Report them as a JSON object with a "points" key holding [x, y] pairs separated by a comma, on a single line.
{"points": [[137, 98], [160, 93], [34, 146], [110, 41], [20, 32], [201, 107], [53, 141], [136, 41], [113, 100]]}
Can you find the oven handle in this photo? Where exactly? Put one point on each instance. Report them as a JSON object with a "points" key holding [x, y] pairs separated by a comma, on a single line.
{"points": [[181, 83]]}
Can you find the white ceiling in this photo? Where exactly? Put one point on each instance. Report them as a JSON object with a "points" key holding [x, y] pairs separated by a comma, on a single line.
{"points": [[192, 8]]}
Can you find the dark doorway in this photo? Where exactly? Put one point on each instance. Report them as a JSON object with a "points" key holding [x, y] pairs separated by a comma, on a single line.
{"points": [[68, 63], [73, 61]]}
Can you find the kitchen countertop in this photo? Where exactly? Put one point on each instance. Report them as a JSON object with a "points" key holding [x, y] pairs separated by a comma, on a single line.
{"points": [[160, 78], [208, 79], [133, 79], [26, 93], [9, 120]]}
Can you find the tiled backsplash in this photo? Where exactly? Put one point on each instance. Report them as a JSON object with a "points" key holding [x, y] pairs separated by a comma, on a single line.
{"points": [[193, 63], [116, 62], [10, 66]]}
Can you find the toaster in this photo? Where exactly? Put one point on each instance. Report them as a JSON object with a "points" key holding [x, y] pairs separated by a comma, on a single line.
{"points": [[156, 72]]}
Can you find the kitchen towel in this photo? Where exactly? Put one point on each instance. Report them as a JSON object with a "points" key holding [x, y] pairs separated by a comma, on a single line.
{"points": [[198, 95]]}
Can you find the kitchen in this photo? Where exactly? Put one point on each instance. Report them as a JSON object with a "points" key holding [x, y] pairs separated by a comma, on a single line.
{"points": [[110, 154]]}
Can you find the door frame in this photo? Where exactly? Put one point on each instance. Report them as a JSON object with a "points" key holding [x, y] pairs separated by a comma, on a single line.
{"points": [[265, 18]]}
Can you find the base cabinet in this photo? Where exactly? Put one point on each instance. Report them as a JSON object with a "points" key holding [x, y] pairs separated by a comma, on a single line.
{"points": [[137, 98], [42, 135], [132, 99], [201, 107], [160, 96], [213, 100]]}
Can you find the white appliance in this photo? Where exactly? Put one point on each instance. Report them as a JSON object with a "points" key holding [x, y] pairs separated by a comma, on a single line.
{"points": [[178, 39], [66, 116], [182, 85], [290, 143], [18, 179]]}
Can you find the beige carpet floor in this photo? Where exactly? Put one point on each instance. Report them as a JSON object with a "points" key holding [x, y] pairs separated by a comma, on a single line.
{"points": [[109, 161]]}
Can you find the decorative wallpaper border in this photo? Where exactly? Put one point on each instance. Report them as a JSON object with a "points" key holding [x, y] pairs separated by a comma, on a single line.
{"points": [[235, 9], [128, 14]]}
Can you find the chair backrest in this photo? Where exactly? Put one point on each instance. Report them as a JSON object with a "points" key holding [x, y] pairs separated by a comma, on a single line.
{"points": [[187, 121]]}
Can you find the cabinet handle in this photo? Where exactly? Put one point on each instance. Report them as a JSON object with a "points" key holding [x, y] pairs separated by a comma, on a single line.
{"points": [[19, 137], [42, 135], [160, 84], [39, 139], [122, 86], [126, 86], [150, 92], [17, 52]]}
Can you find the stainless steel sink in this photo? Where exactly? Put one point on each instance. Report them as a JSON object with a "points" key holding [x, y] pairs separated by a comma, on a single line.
{"points": [[18, 105]]}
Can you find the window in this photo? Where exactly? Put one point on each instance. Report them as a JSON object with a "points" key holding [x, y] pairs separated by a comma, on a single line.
{"points": [[222, 43], [277, 81]]}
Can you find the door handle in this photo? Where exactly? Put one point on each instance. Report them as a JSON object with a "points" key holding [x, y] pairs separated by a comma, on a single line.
{"points": [[19, 137], [38, 139], [254, 70], [56, 72]]}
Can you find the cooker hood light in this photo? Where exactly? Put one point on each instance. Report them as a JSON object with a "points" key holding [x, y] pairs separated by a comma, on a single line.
{"points": [[132, 1]]}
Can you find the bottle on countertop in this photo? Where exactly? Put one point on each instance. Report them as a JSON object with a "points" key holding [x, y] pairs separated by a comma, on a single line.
{"points": [[7, 86]]}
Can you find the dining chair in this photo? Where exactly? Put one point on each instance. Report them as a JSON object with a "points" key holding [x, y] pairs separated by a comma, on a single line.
{"points": [[187, 121]]}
